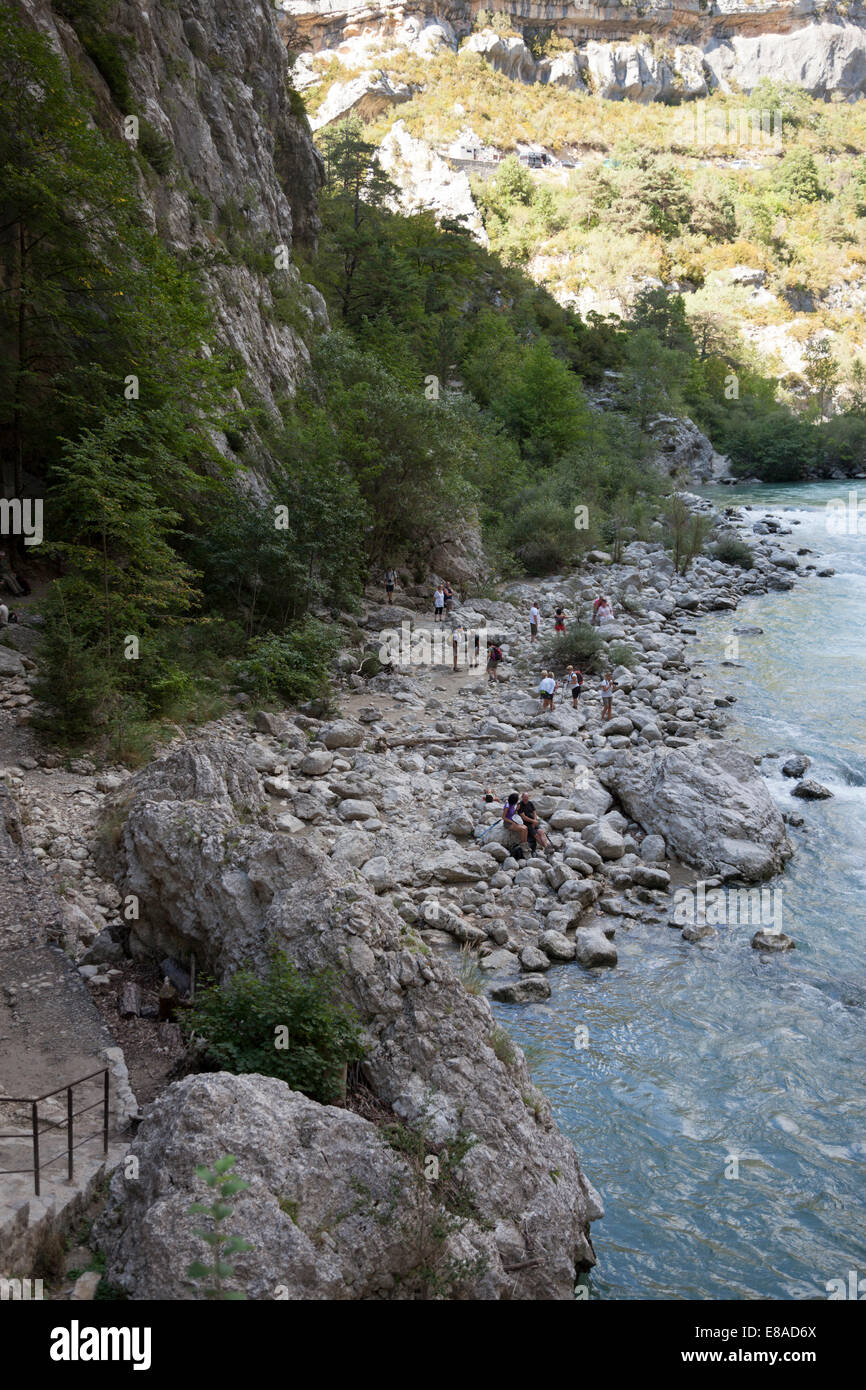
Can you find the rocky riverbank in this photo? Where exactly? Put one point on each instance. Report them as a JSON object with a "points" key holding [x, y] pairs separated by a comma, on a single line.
{"points": [[353, 843]]}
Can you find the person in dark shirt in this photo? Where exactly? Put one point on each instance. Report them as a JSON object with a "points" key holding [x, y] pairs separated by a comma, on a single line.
{"points": [[529, 816]]}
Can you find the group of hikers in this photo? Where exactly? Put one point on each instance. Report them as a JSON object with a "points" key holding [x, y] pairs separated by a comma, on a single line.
{"points": [[519, 814], [572, 684]]}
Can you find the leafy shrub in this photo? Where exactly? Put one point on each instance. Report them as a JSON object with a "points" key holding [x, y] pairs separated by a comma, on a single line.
{"points": [[291, 666], [621, 654], [732, 551], [580, 645], [287, 1025], [156, 148]]}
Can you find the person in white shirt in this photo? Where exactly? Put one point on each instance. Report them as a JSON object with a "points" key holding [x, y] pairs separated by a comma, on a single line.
{"points": [[607, 689], [438, 605], [4, 615], [605, 614], [534, 621], [547, 690]]}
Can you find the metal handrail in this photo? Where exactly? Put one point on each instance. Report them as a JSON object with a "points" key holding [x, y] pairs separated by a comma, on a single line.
{"points": [[71, 1114]]}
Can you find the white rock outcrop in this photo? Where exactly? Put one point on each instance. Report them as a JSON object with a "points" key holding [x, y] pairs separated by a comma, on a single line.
{"points": [[426, 180]]}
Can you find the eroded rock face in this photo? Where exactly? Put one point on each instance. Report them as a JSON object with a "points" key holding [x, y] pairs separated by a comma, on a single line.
{"points": [[214, 882], [709, 804], [366, 96], [332, 1212], [507, 55], [211, 77]]}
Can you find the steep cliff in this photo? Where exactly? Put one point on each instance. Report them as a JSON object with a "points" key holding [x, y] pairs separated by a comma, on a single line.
{"points": [[732, 44], [234, 165]]}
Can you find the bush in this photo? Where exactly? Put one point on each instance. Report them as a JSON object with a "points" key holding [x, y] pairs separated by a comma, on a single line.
{"points": [[621, 654], [286, 1025], [732, 551], [292, 665], [157, 150], [581, 646]]}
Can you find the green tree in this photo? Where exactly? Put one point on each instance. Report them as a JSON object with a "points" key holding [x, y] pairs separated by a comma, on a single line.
{"points": [[797, 178]]}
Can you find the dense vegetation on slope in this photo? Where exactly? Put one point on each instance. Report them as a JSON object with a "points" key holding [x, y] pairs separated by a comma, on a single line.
{"points": [[452, 390]]}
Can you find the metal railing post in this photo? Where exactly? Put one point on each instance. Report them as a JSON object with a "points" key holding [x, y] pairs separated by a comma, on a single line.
{"points": [[69, 1132], [34, 1115]]}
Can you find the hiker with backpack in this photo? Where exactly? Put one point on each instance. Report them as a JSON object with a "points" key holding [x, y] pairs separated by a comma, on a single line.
{"points": [[494, 658], [390, 581], [573, 685]]}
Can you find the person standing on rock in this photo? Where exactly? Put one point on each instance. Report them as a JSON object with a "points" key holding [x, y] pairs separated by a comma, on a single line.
{"points": [[494, 657], [534, 621], [559, 620], [448, 593], [573, 684], [476, 659], [607, 689], [390, 581], [511, 818], [438, 604], [547, 690], [458, 636]]}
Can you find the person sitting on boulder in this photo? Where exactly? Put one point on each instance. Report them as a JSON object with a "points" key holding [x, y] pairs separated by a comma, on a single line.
{"points": [[605, 613], [511, 818], [529, 816]]}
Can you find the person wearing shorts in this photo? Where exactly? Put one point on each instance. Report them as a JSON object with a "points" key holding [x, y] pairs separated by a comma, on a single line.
{"points": [[573, 682], [607, 689], [547, 690], [559, 618], [438, 606], [390, 581], [534, 620]]}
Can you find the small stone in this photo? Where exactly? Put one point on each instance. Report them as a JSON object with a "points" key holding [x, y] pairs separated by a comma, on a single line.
{"points": [[523, 991], [772, 941], [811, 791]]}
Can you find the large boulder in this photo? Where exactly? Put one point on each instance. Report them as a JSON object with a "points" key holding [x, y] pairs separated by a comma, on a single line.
{"points": [[322, 1182], [366, 96], [215, 883], [709, 804], [508, 55]]}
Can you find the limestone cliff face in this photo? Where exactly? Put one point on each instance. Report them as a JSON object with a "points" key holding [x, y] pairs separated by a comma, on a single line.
{"points": [[817, 45], [211, 78]]}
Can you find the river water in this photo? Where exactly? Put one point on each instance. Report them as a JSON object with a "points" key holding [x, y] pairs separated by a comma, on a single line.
{"points": [[698, 1056]]}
